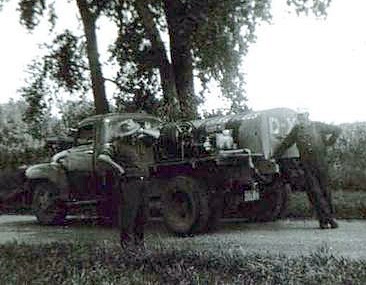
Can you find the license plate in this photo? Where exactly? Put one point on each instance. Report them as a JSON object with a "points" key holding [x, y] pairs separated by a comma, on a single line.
{"points": [[251, 195]]}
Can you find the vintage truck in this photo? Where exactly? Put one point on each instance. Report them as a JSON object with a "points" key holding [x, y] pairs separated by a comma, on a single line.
{"points": [[204, 170]]}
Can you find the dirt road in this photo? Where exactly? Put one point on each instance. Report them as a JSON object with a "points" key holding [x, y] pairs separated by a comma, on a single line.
{"points": [[282, 237]]}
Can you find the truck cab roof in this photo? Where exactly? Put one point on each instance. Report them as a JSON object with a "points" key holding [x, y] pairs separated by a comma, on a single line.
{"points": [[121, 116]]}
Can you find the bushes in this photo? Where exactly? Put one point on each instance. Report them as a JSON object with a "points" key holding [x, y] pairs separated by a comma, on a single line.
{"points": [[348, 205], [12, 159], [347, 158], [12, 176]]}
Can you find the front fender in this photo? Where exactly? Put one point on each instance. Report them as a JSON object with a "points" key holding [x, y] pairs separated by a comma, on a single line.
{"points": [[49, 171]]}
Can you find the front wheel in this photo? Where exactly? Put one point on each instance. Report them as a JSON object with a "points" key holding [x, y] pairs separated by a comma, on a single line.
{"points": [[185, 206], [47, 206]]}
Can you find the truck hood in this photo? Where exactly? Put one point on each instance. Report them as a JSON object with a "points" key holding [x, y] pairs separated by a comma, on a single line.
{"points": [[66, 152]]}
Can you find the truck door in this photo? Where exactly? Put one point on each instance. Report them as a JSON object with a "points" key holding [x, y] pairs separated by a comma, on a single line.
{"points": [[79, 163]]}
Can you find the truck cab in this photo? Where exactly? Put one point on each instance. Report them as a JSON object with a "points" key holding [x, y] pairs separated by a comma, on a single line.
{"points": [[72, 177]]}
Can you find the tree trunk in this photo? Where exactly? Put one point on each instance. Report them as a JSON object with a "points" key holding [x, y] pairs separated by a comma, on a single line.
{"points": [[180, 44], [97, 79], [165, 67]]}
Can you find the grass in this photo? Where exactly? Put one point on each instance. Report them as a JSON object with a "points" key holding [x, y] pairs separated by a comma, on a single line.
{"points": [[104, 263], [347, 204]]}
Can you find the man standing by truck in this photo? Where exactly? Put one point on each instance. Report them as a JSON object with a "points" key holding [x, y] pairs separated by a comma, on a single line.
{"points": [[131, 154], [312, 139]]}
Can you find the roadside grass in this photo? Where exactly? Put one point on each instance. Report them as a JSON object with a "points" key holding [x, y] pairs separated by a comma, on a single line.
{"points": [[347, 204], [105, 263]]}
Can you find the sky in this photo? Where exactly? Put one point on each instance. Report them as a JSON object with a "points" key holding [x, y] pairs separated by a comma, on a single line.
{"points": [[312, 64], [303, 63]]}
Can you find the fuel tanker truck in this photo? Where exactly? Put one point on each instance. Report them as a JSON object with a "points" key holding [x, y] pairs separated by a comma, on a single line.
{"points": [[203, 170]]}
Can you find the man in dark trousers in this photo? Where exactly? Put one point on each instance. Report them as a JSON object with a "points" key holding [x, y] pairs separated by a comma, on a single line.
{"points": [[131, 154], [312, 139]]}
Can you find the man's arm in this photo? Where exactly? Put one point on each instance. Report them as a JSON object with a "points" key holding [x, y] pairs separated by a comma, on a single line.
{"points": [[286, 143], [105, 157], [155, 133]]}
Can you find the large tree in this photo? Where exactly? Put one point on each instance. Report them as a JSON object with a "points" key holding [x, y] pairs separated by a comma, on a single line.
{"points": [[204, 40], [207, 38], [162, 47], [65, 64]]}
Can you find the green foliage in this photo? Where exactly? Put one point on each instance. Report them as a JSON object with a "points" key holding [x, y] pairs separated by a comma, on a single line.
{"points": [[138, 77], [61, 70], [23, 142], [318, 7], [30, 12], [16, 134], [2, 2], [347, 204], [18, 143], [209, 36], [347, 158], [222, 39], [242, 109], [72, 112], [65, 63], [137, 58], [107, 264], [219, 33], [33, 96]]}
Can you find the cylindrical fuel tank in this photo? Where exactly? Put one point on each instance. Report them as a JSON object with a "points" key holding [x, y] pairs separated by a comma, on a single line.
{"points": [[260, 131]]}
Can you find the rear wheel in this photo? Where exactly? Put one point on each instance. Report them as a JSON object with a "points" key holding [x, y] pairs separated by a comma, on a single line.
{"points": [[185, 206], [47, 206]]}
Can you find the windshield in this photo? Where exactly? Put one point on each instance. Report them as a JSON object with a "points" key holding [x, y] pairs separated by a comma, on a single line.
{"points": [[117, 127]]}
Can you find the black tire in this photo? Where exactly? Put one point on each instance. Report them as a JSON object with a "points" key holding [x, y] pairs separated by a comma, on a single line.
{"points": [[185, 206], [272, 203], [47, 206]]}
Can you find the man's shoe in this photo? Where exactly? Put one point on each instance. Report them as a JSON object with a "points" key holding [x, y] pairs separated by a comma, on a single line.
{"points": [[333, 224], [324, 225], [126, 244]]}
